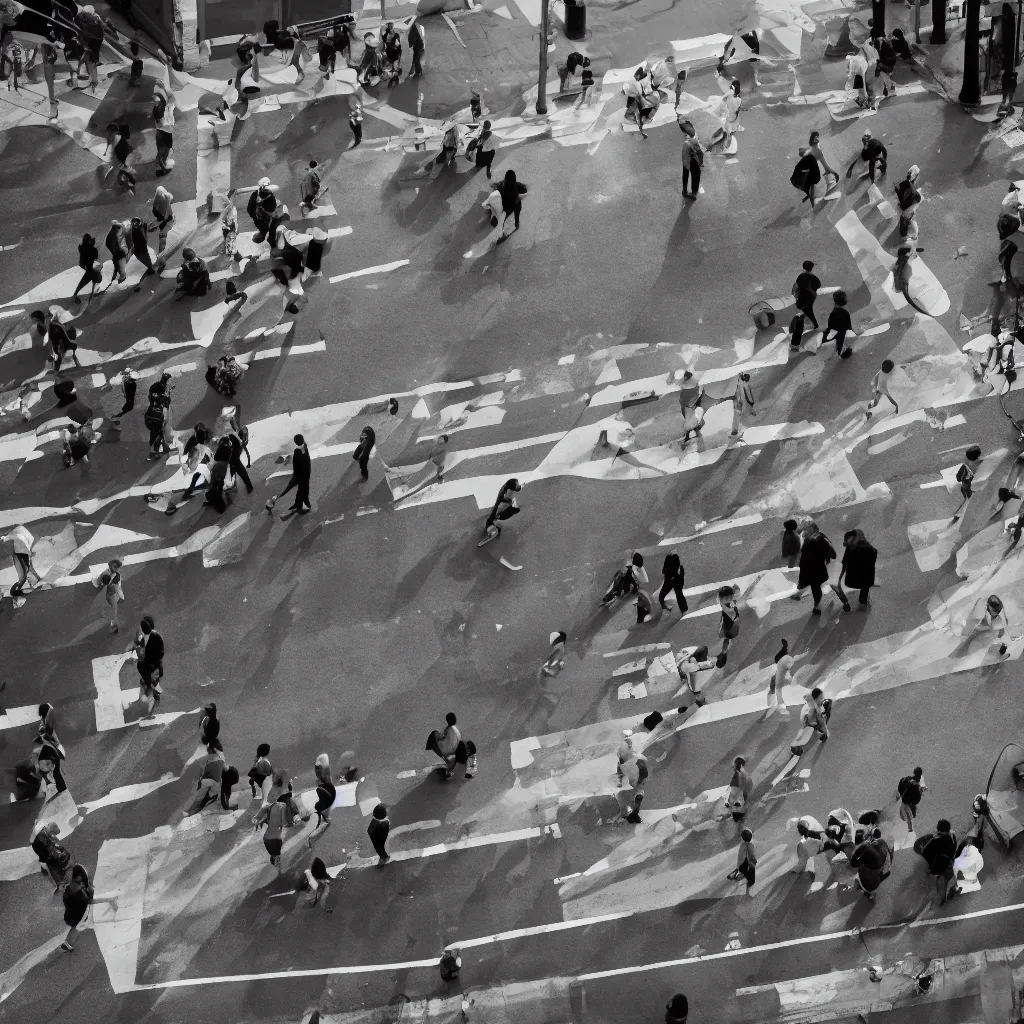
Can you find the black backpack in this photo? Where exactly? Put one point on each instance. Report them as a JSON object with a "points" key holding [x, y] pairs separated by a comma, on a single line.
{"points": [[154, 417]]}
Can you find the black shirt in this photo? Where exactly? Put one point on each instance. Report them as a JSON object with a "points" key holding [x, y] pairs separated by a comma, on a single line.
{"points": [[839, 320], [301, 464], [807, 285], [88, 254], [153, 647]]}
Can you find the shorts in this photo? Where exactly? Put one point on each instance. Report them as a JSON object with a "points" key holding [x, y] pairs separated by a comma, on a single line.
{"points": [[273, 846]]}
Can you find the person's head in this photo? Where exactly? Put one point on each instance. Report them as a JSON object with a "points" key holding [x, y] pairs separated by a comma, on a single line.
{"points": [[280, 778], [888, 366], [744, 377], [510, 177], [637, 560], [322, 766], [114, 564], [994, 604], [380, 812], [136, 223], [450, 718], [313, 164], [188, 254], [739, 762], [214, 746], [263, 750], [147, 624], [679, 1005], [802, 151], [897, 33], [746, 835], [808, 265], [639, 73], [264, 184], [487, 126], [586, 62], [210, 710], [790, 525], [866, 136], [816, 693], [134, 47], [87, 239], [124, 131], [513, 484], [299, 440], [726, 593], [734, 85], [812, 141], [918, 773], [44, 710], [558, 637], [943, 826], [876, 833], [79, 876], [974, 452], [840, 298], [38, 316], [701, 654]]}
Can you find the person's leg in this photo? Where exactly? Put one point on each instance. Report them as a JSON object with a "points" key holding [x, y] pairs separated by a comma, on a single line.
{"points": [[808, 311], [323, 823], [666, 587], [840, 342], [21, 567], [302, 496], [72, 934], [364, 462], [695, 177], [863, 599], [841, 594], [58, 779], [239, 470], [686, 178], [816, 594]]}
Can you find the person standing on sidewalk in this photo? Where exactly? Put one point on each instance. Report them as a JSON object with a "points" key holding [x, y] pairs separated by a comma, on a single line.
{"points": [[805, 291], [911, 788], [693, 160], [416, 44], [840, 323], [378, 830], [674, 578]]}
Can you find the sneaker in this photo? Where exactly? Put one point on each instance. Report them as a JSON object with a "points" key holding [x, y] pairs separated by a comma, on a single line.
{"points": [[67, 946], [846, 606], [815, 611], [469, 775], [634, 819]]}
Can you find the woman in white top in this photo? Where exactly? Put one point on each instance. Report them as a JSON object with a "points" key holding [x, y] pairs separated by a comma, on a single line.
{"points": [[988, 619], [728, 109], [782, 673]]}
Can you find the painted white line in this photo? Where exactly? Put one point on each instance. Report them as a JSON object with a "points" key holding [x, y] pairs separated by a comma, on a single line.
{"points": [[273, 353], [382, 269], [13, 718], [644, 649], [126, 794], [709, 528], [111, 700]]}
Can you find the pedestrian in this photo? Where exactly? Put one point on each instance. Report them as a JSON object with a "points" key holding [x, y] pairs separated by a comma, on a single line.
{"points": [[728, 110], [447, 743], [261, 770], [116, 242], [325, 796], [742, 402], [858, 568], [194, 276], [88, 256], [746, 859], [814, 146], [813, 721], [885, 65], [300, 54], [163, 216], [586, 84], [156, 420], [208, 785], [416, 44], [987, 618], [555, 660], [911, 788], [880, 386], [636, 773], [163, 116], [674, 578], [311, 186], [871, 858], [874, 154], [46, 728], [450, 964], [139, 231], [438, 453], [806, 174], [857, 78], [28, 780], [839, 322], [791, 543], [341, 40], [900, 46], [505, 507], [129, 387], [301, 470], [567, 68], [965, 477], [318, 881], [693, 160], [511, 192], [355, 117], [689, 666], [939, 853], [121, 155], [676, 1011], [110, 581], [209, 725], [277, 816], [729, 626], [61, 337], [217, 490], [21, 542], [367, 439], [805, 291], [482, 148], [149, 652], [378, 830], [781, 674], [91, 31], [78, 897], [908, 198], [48, 52], [52, 854], [740, 787], [809, 845]]}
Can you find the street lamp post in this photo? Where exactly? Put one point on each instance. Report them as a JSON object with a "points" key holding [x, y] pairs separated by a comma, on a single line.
{"points": [[542, 81], [970, 91]]}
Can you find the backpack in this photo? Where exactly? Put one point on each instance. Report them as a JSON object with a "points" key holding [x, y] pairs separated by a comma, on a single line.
{"points": [[908, 787], [154, 417], [906, 194]]}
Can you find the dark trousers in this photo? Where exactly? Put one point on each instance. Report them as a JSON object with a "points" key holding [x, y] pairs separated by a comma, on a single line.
{"points": [[58, 779], [379, 845], [808, 311], [87, 277], [216, 497], [129, 387], [840, 341], [691, 171], [816, 593], [301, 495], [673, 584], [239, 470], [417, 67], [156, 442], [864, 592], [357, 131]]}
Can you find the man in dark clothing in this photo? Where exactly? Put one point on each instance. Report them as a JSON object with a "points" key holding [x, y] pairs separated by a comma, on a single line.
{"points": [[693, 160], [940, 852], [301, 468], [672, 571], [236, 461], [378, 830], [149, 649], [873, 153], [805, 291], [815, 555], [416, 45], [911, 789], [367, 439], [265, 211], [839, 321]]}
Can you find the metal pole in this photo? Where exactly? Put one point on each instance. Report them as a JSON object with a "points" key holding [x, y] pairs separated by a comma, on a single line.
{"points": [[970, 91], [917, 21], [542, 81]]}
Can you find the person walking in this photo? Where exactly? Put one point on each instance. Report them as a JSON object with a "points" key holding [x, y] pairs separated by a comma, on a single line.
{"points": [[301, 472], [139, 231], [163, 216], [277, 816], [378, 830], [483, 148], [438, 454], [987, 616], [727, 110], [742, 402], [840, 324], [880, 386], [78, 897], [311, 186], [781, 674], [813, 722], [791, 543], [447, 743], [729, 627], [317, 880], [52, 854], [740, 787], [885, 65], [805, 291], [163, 116], [965, 477], [116, 242], [209, 725], [586, 85], [511, 192], [939, 853], [871, 858], [325, 796], [814, 146], [677, 1010], [809, 845], [746, 860], [692, 158], [911, 788], [636, 773], [149, 652], [689, 667], [874, 154], [858, 568], [806, 174], [355, 116], [908, 197], [417, 45], [367, 439], [208, 785], [261, 770], [505, 507], [110, 581], [674, 578], [88, 256], [21, 543]]}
